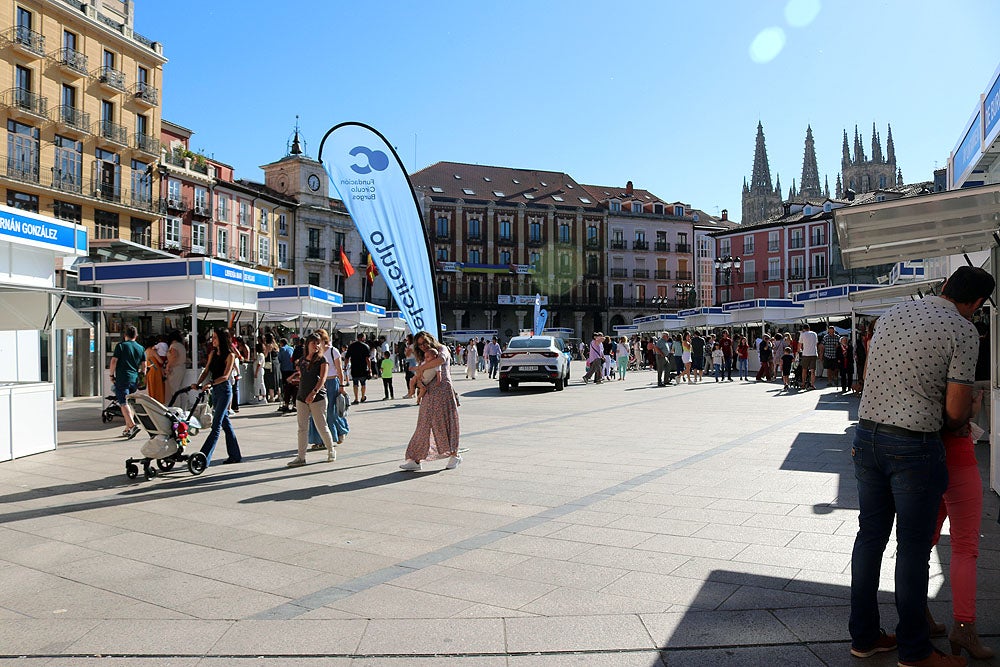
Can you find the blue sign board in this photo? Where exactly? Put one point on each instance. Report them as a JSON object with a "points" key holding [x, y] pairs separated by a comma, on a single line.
{"points": [[302, 292], [991, 111], [18, 226], [760, 303], [968, 152], [831, 292], [705, 310], [362, 308], [326, 296], [173, 269], [235, 274]]}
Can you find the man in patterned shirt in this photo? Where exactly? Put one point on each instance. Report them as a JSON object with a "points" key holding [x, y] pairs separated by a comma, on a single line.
{"points": [[920, 372]]}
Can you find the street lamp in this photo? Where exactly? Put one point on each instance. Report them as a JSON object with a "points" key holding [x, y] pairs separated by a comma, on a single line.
{"points": [[660, 302], [727, 266], [685, 293]]}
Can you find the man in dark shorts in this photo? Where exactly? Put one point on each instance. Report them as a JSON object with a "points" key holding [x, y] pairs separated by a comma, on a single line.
{"points": [[128, 360], [359, 356]]}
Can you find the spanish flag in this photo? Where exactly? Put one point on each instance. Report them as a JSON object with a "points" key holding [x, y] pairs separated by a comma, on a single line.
{"points": [[371, 271], [345, 264]]}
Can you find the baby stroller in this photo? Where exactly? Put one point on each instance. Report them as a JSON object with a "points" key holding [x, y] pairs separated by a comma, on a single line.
{"points": [[633, 364], [169, 430], [795, 377], [112, 409]]}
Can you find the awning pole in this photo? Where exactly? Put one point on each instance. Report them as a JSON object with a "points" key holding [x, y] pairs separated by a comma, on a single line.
{"points": [[194, 340]]}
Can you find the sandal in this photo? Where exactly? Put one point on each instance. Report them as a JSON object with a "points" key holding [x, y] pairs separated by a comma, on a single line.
{"points": [[317, 448]]}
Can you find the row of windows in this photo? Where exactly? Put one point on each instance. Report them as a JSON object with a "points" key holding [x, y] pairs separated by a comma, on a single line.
{"points": [[637, 207], [225, 206], [199, 238], [505, 230], [817, 237]]}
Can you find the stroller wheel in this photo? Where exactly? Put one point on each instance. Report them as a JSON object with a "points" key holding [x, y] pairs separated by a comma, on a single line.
{"points": [[165, 464], [197, 463], [105, 417], [150, 472], [131, 470]]}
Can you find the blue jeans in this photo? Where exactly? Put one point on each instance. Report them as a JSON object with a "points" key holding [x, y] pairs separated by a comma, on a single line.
{"points": [[902, 479], [494, 360], [337, 424], [744, 367], [222, 396]]}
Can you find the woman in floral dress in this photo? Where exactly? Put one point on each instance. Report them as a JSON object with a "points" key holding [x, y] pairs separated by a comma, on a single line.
{"points": [[437, 430]]}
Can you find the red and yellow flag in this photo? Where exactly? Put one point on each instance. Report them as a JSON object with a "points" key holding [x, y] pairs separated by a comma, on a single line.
{"points": [[371, 271], [345, 264]]}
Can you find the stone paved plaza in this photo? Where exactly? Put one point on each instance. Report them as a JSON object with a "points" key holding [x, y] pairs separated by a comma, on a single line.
{"points": [[620, 524]]}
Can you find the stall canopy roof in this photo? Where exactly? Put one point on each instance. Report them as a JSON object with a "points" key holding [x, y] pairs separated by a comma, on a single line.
{"points": [[893, 291], [33, 310], [932, 225]]}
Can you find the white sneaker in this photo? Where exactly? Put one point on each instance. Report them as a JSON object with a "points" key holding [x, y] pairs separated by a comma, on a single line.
{"points": [[453, 462], [410, 465]]}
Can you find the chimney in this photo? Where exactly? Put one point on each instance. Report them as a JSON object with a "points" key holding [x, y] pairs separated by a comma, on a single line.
{"points": [[628, 188], [725, 215]]}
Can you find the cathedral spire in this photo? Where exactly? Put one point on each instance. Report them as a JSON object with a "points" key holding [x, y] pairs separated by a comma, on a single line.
{"points": [[760, 179], [890, 148], [840, 184], [791, 191], [296, 145], [761, 199], [826, 186], [859, 148], [876, 145], [846, 159], [809, 184]]}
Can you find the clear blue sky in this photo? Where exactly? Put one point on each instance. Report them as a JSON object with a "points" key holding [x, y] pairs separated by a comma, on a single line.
{"points": [[664, 93]]}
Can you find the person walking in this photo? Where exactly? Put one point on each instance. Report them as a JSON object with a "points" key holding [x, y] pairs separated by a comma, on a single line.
{"points": [[287, 367], [437, 431], [176, 367], [336, 386], [387, 366], [686, 356], [595, 359], [787, 359], [359, 356], [765, 353], [493, 353], [622, 357], [830, 343], [219, 367], [481, 353], [698, 356], [471, 360], [259, 386], [310, 400], [924, 355], [127, 361], [663, 348], [808, 355], [844, 357], [727, 345], [718, 358], [743, 358], [271, 368], [963, 507], [155, 365], [677, 347]]}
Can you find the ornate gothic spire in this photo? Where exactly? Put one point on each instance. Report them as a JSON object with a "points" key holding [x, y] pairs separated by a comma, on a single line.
{"points": [[859, 148], [760, 179], [846, 159], [777, 185], [899, 178], [840, 185], [791, 191], [826, 187], [810, 171], [890, 148], [876, 146]]}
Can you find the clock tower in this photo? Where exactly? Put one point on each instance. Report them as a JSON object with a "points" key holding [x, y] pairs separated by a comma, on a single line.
{"points": [[298, 175]]}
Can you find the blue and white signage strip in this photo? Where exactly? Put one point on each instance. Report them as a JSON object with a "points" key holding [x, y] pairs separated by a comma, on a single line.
{"points": [[625, 328], [471, 333], [558, 331], [968, 152], [173, 269], [374, 187], [831, 292], [760, 303], [991, 111], [704, 310], [234, 274], [362, 307], [519, 300], [303, 292], [40, 231]]}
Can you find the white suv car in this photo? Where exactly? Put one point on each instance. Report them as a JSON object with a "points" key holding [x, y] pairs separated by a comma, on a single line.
{"points": [[534, 359]]}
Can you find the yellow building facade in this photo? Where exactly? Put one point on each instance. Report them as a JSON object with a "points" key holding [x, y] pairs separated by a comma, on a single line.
{"points": [[81, 106]]}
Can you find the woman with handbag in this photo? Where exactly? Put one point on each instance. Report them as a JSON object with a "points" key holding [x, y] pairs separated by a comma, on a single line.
{"points": [[310, 400], [336, 385], [220, 363], [437, 431]]}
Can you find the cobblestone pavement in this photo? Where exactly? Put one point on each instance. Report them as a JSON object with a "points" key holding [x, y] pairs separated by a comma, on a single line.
{"points": [[620, 524]]}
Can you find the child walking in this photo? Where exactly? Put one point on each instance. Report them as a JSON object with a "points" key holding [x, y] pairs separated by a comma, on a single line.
{"points": [[387, 368], [717, 360]]}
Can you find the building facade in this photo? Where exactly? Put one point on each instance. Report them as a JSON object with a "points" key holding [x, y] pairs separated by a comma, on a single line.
{"points": [[500, 235], [861, 174], [650, 263], [705, 253], [81, 103]]}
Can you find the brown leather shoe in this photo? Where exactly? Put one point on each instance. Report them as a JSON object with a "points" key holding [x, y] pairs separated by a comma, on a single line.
{"points": [[936, 659], [964, 635], [936, 629], [883, 644]]}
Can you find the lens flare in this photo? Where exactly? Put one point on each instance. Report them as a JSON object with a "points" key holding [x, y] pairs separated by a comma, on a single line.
{"points": [[767, 45], [800, 13]]}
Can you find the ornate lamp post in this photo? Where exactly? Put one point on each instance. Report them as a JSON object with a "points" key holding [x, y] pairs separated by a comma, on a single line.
{"points": [[686, 295], [727, 266]]}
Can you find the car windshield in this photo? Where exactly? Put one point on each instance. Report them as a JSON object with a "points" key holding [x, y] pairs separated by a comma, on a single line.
{"points": [[529, 344]]}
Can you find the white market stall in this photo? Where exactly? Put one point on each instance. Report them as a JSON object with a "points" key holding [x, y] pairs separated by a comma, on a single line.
{"points": [[392, 326], [706, 317], [465, 335], [660, 322], [359, 316], [825, 303], [306, 305], [194, 284], [762, 311], [31, 304]]}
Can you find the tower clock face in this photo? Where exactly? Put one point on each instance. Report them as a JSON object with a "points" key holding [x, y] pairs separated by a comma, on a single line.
{"points": [[313, 182]]}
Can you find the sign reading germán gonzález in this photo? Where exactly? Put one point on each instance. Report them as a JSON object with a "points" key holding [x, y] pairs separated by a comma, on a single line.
{"points": [[370, 178]]}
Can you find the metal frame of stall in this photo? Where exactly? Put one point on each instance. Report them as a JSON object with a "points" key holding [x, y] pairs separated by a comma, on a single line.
{"points": [[199, 283], [659, 322], [306, 305], [357, 316], [705, 317], [30, 304], [392, 325]]}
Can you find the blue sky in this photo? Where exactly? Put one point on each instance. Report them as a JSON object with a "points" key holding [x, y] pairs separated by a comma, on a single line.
{"points": [[665, 93]]}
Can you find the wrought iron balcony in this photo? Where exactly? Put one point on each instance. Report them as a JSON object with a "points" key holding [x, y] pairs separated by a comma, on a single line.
{"points": [[774, 275], [772, 247], [201, 209], [505, 241], [662, 274], [111, 78], [316, 253], [442, 236], [682, 248], [142, 200], [796, 243], [640, 245], [565, 241], [747, 277], [174, 204], [536, 242], [797, 274], [818, 240], [26, 40], [661, 246], [747, 249], [147, 144], [817, 272], [640, 273], [111, 131], [67, 181], [72, 118], [684, 275], [618, 244], [619, 273], [72, 61], [25, 101], [107, 191], [145, 94], [24, 170], [473, 238], [593, 244]]}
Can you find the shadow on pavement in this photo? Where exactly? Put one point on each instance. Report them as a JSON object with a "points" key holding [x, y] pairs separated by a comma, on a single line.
{"points": [[840, 401], [826, 453], [356, 485]]}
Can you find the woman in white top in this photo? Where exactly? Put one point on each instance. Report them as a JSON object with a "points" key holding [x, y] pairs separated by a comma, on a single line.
{"points": [[622, 352], [336, 383], [471, 360], [259, 391]]}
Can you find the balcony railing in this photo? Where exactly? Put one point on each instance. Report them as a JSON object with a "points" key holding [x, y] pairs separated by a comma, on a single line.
{"points": [[684, 275], [111, 78], [772, 246], [648, 302], [24, 100], [72, 60], [505, 240], [796, 243], [818, 240], [147, 144], [473, 238], [201, 209], [316, 253], [640, 273], [661, 246], [22, 170], [174, 205], [748, 249], [593, 244], [683, 248], [662, 274], [67, 181], [536, 242], [817, 272], [618, 244], [640, 245], [797, 274], [748, 277], [564, 241], [774, 275], [443, 236], [73, 117], [111, 131], [142, 200], [619, 273], [26, 39], [144, 93]]}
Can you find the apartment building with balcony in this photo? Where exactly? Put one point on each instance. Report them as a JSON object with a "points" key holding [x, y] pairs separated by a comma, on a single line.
{"points": [[705, 253], [502, 232], [650, 252], [81, 105]]}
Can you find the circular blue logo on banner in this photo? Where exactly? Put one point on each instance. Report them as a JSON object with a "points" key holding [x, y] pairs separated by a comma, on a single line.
{"points": [[377, 160]]}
